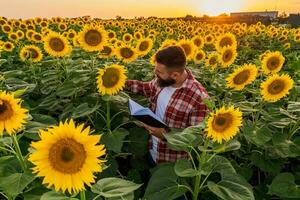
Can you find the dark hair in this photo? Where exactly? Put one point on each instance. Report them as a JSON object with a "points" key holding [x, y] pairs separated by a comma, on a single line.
{"points": [[173, 57]]}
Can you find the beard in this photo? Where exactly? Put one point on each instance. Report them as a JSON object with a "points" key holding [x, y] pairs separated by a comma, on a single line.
{"points": [[165, 82]]}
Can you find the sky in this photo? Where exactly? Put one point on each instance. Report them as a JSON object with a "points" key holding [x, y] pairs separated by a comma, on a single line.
{"points": [[135, 8]]}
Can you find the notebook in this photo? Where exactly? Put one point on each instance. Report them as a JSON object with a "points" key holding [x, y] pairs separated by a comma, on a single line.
{"points": [[145, 115]]}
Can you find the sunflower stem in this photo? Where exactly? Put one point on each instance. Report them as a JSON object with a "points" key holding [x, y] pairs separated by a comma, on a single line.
{"points": [[201, 160], [108, 115], [82, 195], [18, 152]]}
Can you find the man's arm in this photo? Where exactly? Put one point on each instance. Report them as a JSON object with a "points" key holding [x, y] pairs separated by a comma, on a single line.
{"points": [[198, 114], [140, 87]]}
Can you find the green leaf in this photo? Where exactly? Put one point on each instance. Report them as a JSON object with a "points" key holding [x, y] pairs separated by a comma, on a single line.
{"points": [[163, 184], [138, 138], [183, 140], [231, 188], [284, 147], [114, 187], [293, 106], [209, 103], [283, 185], [56, 196], [9, 165], [218, 164], [16, 183], [183, 168], [84, 110], [114, 141], [67, 89], [266, 163], [231, 145], [20, 92], [129, 196], [256, 135]]}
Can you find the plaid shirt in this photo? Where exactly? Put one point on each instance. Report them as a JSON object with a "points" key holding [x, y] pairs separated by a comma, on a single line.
{"points": [[184, 109]]}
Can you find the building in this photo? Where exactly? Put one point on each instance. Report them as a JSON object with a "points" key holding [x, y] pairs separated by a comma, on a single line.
{"points": [[270, 14]]}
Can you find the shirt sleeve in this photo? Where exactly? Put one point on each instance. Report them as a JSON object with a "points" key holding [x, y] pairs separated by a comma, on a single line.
{"points": [[198, 114], [140, 87]]}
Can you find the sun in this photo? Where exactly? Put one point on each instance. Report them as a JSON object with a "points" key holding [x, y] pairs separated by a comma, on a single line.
{"points": [[217, 7]]}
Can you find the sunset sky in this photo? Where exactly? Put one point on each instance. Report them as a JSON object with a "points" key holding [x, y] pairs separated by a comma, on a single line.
{"points": [[132, 8]]}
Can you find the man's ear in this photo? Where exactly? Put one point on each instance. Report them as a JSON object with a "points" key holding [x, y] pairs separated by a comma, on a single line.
{"points": [[175, 75]]}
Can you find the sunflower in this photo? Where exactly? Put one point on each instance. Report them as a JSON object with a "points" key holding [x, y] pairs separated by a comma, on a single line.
{"points": [[144, 46], [13, 36], [107, 52], [212, 60], [138, 35], [227, 39], [7, 28], [12, 115], [199, 56], [209, 39], [31, 52], [111, 79], [67, 156], [227, 55], [198, 41], [20, 34], [92, 38], [242, 76], [188, 48], [36, 37], [167, 42], [287, 46], [276, 87], [56, 45], [126, 53], [8, 46], [272, 62], [127, 37], [111, 34], [224, 124]]}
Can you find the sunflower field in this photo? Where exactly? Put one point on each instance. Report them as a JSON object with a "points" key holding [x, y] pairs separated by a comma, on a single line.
{"points": [[66, 132]]}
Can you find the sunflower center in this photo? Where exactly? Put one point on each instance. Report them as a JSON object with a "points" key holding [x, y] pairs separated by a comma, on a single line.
{"points": [[93, 38], [227, 56], [197, 42], [126, 52], [37, 37], [241, 77], [111, 35], [110, 77], [221, 122], [6, 110], [67, 156], [33, 53], [127, 38], [225, 42], [199, 56], [7, 28], [106, 50], [276, 87], [212, 61], [56, 44], [273, 63], [143, 46], [13, 37]]}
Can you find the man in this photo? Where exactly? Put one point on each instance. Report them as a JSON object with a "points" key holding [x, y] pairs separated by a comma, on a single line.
{"points": [[175, 96]]}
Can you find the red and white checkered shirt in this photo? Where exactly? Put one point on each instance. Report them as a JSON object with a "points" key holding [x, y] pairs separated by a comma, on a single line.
{"points": [[184, 109]]}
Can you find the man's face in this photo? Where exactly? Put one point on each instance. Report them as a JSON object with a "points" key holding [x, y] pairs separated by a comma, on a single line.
{"points": [[164, 77]]}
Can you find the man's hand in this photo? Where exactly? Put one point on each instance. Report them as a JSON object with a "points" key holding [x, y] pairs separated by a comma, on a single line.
{"points": [[158, 132]]}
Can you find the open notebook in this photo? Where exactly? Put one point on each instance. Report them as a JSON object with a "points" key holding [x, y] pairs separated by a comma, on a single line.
{"points": [[145, 115]]}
